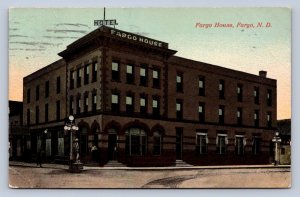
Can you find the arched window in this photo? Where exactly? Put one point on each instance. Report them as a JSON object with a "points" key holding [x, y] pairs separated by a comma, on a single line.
{"points": [[136, 141], [157, 143]]}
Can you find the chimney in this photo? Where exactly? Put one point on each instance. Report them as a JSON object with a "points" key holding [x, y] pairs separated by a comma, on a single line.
{"points": [[263, 73]]}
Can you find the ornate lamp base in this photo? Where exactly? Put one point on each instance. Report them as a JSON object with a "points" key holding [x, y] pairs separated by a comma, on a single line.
{"points": [[76, 167]]}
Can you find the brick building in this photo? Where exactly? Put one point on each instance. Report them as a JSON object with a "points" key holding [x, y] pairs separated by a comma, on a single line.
{"points": [[140, 104]]}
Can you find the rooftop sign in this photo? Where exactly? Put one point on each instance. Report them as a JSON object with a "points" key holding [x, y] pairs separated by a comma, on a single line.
{"points": [[105, 22]]}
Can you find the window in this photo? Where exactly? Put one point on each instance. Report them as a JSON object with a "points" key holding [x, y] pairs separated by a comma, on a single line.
{"points": [[37, 115], [28, 95], [269, 97], [94, 71], [115, 71], [79, 74], [28, 116], [129, 74], [143, 76], [58, 85], [201, 86], [143, 104], [179, 111], [240, 142], [269, 119], [179, 83], [239, 92], [201, 112], [47, 89], [86, 103], [135, 142], [57, 110], [37, 93], [94, 106], [78, 102], [239, 116], [256, 118], [129, 104], [222, 142], [201, 143], [115, 106], [72, 80], [221, 89], [256, 141], [71, 105], [256, 95], [221, 114], [86, 74], [157, 143], [156, 78], [155, 107], [46, 112]]}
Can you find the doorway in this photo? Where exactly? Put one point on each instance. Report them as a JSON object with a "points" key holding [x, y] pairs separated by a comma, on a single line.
{"points": [[178, 144]]}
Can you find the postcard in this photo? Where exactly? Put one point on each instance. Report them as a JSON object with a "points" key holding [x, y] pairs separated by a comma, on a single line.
{"points": [[150, 97]]}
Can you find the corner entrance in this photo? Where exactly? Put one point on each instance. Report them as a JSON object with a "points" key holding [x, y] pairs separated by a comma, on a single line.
{"points": [[112, 145]]}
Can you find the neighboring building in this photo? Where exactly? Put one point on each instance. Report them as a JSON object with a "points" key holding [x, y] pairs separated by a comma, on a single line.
{"points": [[16, 132], [143, 106], [284, 128]]}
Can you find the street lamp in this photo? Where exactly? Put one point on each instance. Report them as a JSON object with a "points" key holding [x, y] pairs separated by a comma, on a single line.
{"points": [[71, 127], [276, 139]]}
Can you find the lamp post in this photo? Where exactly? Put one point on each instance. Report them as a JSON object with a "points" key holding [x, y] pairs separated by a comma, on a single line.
{"points": [[75, 166], [276, 139]]}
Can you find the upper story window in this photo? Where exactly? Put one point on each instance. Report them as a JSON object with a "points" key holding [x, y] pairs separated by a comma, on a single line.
{"points": [[28, 116], [129, 74], [79, 75], [57, 110], [94, 97], [58, 85], [86, 74], [143, 76], [256, 95], [201, 112], [71, 105], [221, 114], [179, 82], [156, 78], [94, 71], [37, 92], [239, 116], [201, 142], [47, 87], [86, 103], [46, 112], [179, 111], [37, 115], [129, 104], [201, 86], [143, 104], [155, 107], [256, 118], [115, 71], [115, 102], [72, 79], [239, 92], [269, 97], [269, 119], [221, 89], [78, 110], [28, 95]]}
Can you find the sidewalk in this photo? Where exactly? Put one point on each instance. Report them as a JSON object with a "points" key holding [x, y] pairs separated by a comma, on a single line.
{"points": [[65, 167]]}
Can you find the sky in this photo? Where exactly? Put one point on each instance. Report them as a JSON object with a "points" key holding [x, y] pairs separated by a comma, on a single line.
{"points": [[36, 36]]}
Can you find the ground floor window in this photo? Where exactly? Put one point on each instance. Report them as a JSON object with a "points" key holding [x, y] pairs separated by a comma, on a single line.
{"points": [[221, 142], [136, 141], [239, 144], [157, 143], [256, 145], [201, 143]]}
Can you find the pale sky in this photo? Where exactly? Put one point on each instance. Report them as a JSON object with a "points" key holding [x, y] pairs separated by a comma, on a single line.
{"points": [[37, 35]]}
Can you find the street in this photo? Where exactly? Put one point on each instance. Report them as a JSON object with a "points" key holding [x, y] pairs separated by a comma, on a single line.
{"points": [[239, 177]]}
